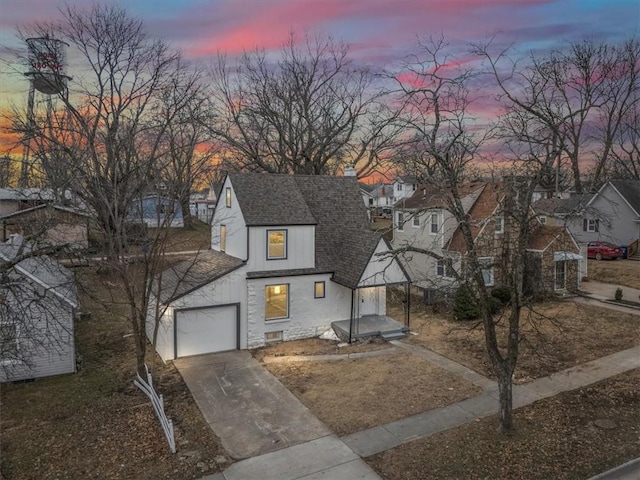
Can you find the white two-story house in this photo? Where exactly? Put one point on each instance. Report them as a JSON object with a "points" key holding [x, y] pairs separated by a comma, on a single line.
{"points": [[290, 254]]}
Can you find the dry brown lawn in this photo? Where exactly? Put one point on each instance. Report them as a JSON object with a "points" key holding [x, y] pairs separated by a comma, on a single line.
{"points": [[619, 272], [555, 336], [555, 438], [318, 346], [96, 423], [352, 395]]}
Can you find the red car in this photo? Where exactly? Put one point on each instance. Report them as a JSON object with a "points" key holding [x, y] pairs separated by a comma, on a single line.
{"points": [[600, 250]]}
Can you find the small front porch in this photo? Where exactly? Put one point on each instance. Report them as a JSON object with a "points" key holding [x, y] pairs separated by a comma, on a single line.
{"points": [[369, 326]]}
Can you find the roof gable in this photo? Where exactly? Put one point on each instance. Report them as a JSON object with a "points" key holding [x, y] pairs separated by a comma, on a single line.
{"points": [[630, 191]]}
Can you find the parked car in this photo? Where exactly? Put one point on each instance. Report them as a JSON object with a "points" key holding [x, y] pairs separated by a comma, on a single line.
{"points": [[600, 250]]}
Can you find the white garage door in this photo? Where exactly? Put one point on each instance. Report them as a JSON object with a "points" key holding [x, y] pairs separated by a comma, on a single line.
{"points": [[206, 330]]}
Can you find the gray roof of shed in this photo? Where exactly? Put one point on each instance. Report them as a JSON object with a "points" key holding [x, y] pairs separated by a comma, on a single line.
{"points": [[189, 275], [630, 190], [45, 269]]}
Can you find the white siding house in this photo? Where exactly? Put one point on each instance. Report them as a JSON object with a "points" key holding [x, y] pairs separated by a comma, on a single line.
{"points": [[286, 261], [36, 318]]}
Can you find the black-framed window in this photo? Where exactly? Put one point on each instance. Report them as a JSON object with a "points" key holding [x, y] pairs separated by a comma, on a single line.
{"points": [[276, 301], [276, 244], [319, 290], [228, 197]]}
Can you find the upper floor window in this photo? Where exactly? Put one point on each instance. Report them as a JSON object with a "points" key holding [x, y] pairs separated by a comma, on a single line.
{"points": [[416, 220], [590, 225], [399, 187], [400, 221], [543, 219], [276, 244], [228, 197], [434, 224], [499, 224], [223, 238]]}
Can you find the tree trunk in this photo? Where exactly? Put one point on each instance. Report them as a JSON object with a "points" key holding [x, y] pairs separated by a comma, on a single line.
{"points": [[505, 389], [187, 219]]}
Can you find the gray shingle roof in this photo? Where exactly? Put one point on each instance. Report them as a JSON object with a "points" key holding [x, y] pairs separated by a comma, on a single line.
{"points": [[189, 275], [630, 190], [344, 242], [269, 199], [563, 206], [44, 268]]}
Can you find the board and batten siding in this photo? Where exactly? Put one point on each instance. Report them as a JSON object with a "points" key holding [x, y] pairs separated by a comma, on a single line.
{"points": [[53, 352], [233, 220], [382, 270], [308, 316], [300, 248], [226, 290]]}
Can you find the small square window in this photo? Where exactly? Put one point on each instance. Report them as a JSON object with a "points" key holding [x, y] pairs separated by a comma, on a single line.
{"points": [[543, 219], [228, 197], [443, 269], [276, 244], [591, 225], [499, 225], [318, 290]]}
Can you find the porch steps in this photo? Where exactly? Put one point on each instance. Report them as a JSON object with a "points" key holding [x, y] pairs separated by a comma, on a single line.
{"points": [[397, 335]]}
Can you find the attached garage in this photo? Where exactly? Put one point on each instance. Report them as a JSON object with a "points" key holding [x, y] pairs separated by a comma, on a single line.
{"points": [[207, 330]]}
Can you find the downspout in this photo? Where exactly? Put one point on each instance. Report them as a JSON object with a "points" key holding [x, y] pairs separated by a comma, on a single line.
{"points": [[351, 319], [407, 314], [175, 334]]}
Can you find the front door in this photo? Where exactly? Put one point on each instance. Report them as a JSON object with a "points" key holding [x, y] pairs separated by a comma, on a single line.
{"points": [[368, 301]]}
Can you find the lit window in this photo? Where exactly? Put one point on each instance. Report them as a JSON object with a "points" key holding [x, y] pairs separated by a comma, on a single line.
{"points": [[8, 341], [416, 220], [276, 301], [499, 224], [434, 225], [228, 197], [443, 269], [318, 290], [276, 244], [486, 265], [223, 238]]}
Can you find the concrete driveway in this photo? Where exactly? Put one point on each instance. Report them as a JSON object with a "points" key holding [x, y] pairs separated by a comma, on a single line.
{"points": [[246, 406]]}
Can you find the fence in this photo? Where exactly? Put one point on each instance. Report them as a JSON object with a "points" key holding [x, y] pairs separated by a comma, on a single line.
{"points": [[158, 405]]}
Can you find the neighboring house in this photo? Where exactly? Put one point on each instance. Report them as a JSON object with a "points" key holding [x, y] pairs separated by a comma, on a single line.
{"points": [[202, 204], [48, 223], [366, 190], [37, 306], [404, 187], [16, 199], [286, 261], [382, 195], [612, 214], [157, 211], [425, 221]]}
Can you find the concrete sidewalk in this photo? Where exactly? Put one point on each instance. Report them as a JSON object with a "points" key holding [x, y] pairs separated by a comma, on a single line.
{"points": [[330, 457]]}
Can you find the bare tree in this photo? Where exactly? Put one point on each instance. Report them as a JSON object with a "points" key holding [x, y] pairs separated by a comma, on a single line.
{"points": [[110, 134], [311, 112], [447, 142]]}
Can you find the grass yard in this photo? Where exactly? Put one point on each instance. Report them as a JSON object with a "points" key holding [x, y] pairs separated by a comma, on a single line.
{"points": [[96, 423], [557, 335], [618, 272], [555, 438], [351, 395]]}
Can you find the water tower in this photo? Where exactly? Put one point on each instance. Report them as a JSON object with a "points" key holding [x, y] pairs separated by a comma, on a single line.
{"points": [[47, 74]]}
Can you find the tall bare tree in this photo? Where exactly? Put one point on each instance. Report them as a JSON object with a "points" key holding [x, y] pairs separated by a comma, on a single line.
{"points": [[438, 97], [110, 135], [310, 112]]}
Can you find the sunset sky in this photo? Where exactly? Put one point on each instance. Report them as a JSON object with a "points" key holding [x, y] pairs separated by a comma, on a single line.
{"points": [[380, 32]]}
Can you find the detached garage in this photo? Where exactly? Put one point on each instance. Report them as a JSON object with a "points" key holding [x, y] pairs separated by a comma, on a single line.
{"points": [[201, 302], [207, 329]]}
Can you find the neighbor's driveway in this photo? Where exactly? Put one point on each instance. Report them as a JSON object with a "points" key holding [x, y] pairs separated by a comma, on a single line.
{"points": [[245, 405]]}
